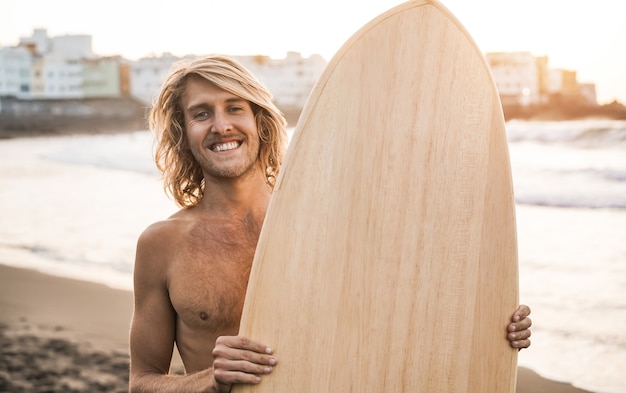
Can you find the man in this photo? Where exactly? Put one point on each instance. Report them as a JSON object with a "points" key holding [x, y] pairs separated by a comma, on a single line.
{"points": [[221, 143]]}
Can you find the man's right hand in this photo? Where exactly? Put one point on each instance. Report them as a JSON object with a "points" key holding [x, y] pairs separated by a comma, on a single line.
{"points": [[239, 360]]}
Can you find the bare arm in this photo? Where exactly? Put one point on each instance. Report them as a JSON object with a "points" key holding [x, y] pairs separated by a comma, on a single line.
{"points": [[153, 333]]}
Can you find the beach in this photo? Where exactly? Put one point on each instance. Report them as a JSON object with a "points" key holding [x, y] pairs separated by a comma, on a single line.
{"points": [[62, 335], [73, 207], [65, 335]]}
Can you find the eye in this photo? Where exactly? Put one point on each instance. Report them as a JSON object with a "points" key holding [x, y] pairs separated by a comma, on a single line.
{"points": [[235, 109], [201, 115]]}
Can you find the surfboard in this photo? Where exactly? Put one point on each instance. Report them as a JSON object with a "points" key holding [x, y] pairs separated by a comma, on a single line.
{"points": [[388, 257]]}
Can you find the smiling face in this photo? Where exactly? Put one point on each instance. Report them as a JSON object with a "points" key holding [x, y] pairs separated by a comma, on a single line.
{"points": [[221, 130]]}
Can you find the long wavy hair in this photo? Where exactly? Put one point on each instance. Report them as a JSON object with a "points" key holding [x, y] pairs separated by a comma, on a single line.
{"points": [[183, 178]]}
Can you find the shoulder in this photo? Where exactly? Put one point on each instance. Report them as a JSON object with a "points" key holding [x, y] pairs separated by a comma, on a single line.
{"points": [[162, 234], [158, 242], [155, 232], [165, 237]]}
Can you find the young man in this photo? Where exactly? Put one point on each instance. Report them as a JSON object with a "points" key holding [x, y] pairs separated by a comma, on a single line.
{"points": [[221, 143]]}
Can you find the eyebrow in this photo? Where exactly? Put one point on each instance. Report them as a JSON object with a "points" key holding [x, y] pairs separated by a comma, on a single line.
{"points": [[230, 100]]}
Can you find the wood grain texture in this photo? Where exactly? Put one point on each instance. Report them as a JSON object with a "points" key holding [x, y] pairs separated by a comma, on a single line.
{"points": [[388, 257]]}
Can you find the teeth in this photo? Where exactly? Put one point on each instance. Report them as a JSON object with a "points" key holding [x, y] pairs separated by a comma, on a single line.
{"points": [[225, 146]]}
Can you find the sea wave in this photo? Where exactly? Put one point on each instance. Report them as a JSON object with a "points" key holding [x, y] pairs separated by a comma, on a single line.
{"points": [[569, 164], [578, 164], [129, 152], [582, 133], [565, 202], [590, 188]]}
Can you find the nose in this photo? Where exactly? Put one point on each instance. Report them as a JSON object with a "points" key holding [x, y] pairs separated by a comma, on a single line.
{"points": [[221, 122]]}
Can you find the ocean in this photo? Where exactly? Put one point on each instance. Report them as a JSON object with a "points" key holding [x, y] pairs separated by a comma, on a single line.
{"points": [[74, 206]]}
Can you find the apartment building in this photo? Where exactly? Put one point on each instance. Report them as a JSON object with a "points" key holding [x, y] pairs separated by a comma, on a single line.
{"points": [[524, 79], [517, 76], [290, 79], [65, 67], [15, 72], [147, 75]]}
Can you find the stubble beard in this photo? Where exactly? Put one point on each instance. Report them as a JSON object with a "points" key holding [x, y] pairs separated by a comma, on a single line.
{"points": [[227, 170]]}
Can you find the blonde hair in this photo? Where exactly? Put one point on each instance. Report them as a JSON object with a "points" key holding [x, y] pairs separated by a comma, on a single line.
{"points": [[183, 178]]}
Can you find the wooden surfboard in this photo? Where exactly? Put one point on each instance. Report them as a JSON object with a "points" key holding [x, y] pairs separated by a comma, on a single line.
{"points": [[388, 257]]}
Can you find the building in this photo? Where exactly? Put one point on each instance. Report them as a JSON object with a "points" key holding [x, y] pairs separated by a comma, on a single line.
{"points": [[290, 79], [64, 67], [15, 72], [517, 77], [62, 77], [38, 43], [102, 77], [563, 82], [523, 79], [76, 46], [147, 75], [588, 91]]}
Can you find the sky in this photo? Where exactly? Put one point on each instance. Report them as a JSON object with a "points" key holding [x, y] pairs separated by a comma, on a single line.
{"points": [[588, 37]]}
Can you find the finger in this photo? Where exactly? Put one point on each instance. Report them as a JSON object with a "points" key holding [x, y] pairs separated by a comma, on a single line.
{"points": [[242, 366], [524, 324], [235, 355], [228, 377], [522, 312], [228, 372], [244, 343], [520, 344], [517, 336]]}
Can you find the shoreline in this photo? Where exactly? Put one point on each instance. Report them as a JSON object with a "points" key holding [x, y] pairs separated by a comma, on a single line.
{"points": [[69, 335], [292, 118], [56, 117], [14, 134]]}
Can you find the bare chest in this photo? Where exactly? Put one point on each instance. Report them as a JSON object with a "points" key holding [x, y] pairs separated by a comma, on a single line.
{"points": [[209, 277]]}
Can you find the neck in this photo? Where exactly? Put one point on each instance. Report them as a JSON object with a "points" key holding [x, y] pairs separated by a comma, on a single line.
{"points": [[235, 197]]}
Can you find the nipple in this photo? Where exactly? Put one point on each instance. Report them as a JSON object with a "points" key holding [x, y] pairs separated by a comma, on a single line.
{"points": [[204, 316]]}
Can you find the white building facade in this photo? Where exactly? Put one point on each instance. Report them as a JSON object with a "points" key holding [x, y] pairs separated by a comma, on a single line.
{"points": [[63, 67], [148, 74], [15, 72], [62, 77], [290, 80], [517, 77]]}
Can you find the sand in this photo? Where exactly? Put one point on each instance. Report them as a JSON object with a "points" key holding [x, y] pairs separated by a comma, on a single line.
{"points": [[63, 335]]}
